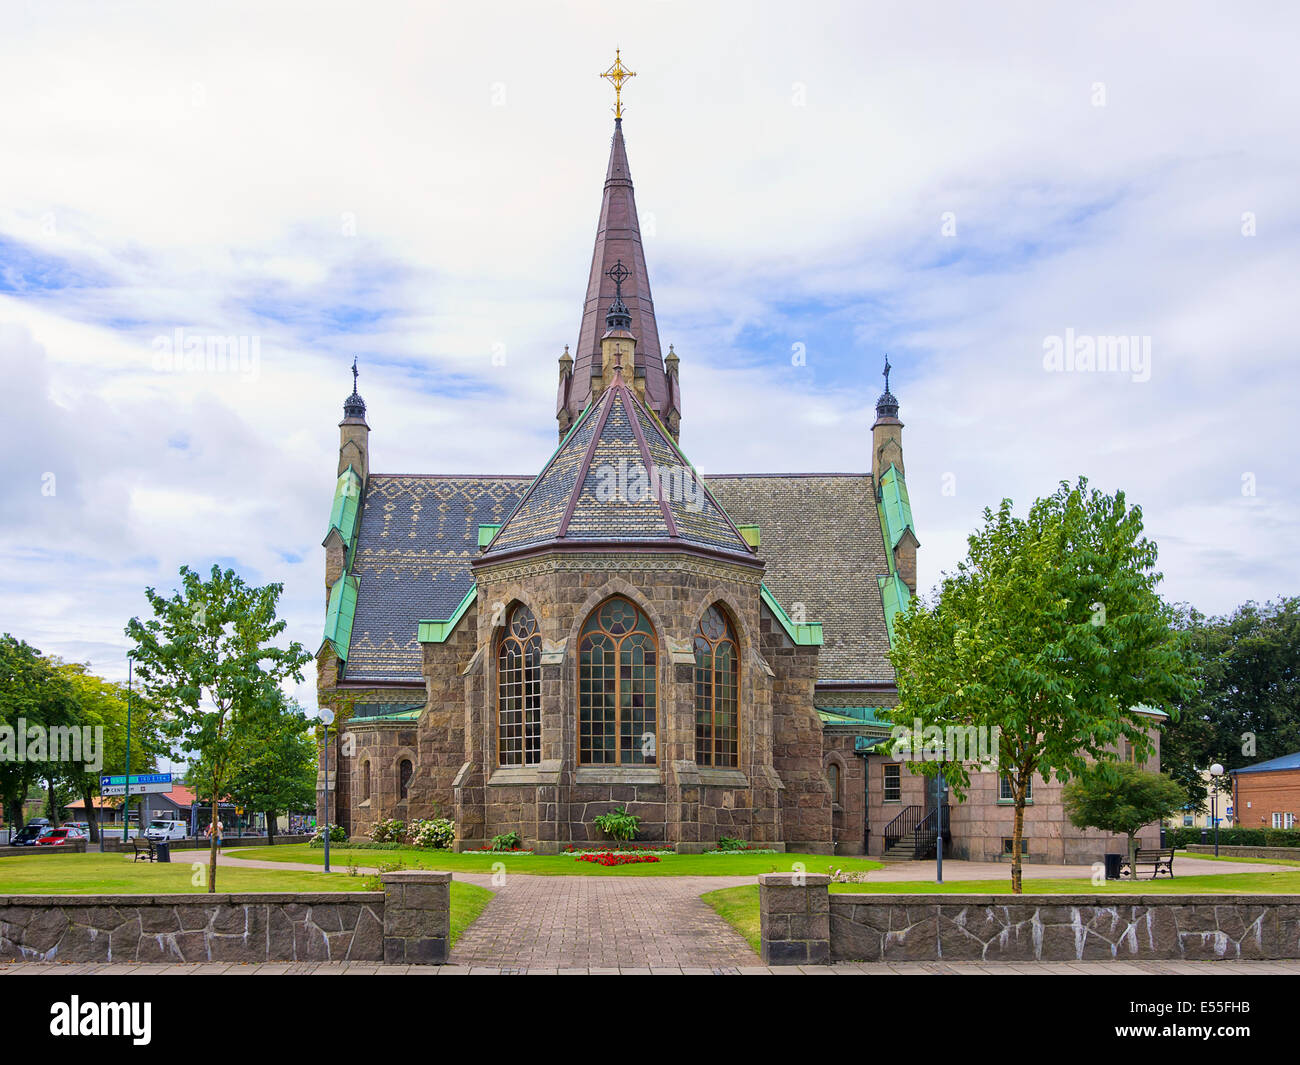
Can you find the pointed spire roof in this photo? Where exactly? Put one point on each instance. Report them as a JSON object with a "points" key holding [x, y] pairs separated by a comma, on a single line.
{"points": [[598, 488], [618, 237]]}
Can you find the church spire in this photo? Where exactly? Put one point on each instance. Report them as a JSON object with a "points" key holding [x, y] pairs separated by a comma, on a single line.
{"points": [[618, 239]]}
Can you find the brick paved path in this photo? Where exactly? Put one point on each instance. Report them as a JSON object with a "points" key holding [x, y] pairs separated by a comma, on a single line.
{"points": [[559, 922]]}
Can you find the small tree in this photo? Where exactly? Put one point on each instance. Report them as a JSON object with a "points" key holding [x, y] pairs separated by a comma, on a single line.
{"points": [[1050, 632], [1121, 798], [206, 658], [274, 761]]}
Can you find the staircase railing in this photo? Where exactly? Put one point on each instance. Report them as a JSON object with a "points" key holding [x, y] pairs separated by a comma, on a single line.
{"points": [[904, 825], [927, 831]]}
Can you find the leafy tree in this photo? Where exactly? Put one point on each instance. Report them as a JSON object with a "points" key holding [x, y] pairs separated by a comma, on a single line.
{"points": [[31, 691], [1121, 798], [1248, 709], [274, 761], [206, 658], [100, 703], [1051, 632]]}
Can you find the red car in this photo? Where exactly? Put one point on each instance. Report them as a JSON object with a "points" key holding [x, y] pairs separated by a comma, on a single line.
{"points": [[59, 836]]}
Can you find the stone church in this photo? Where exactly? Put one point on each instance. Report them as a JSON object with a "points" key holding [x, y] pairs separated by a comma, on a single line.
{"points": [[523, 653]]}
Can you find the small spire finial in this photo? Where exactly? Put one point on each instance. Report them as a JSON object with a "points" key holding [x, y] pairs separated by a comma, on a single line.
{"points": [[354, 406], [887, 404], [616, 75]]}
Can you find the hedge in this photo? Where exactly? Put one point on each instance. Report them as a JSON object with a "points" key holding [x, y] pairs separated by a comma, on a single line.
{"points": [[1235, 837]]}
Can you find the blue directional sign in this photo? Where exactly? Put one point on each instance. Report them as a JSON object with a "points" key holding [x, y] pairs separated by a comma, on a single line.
{"points": [[141, 784]]}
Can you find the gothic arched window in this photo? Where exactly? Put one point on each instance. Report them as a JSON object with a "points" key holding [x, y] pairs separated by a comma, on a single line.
{"points": [[833, 779], [404, 771], [717, 691], [519, 690], [617, 690], [365, 781]]}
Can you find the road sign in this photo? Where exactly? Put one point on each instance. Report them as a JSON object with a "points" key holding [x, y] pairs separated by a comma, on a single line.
{"points": [[141, 784]]}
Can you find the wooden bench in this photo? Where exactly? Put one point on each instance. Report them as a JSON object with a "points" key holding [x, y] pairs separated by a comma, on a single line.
{"points": [[1160, 860], [144, 850]]}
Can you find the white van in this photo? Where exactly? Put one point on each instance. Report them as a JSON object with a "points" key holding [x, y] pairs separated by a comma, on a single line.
{"points": [[162, 829]]}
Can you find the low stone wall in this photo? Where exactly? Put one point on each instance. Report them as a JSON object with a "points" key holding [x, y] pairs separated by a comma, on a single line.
{"points": [[1025, 928], [1286, 853], [409, 921]]}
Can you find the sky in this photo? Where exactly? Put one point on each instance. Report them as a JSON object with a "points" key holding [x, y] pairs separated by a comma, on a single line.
{"points": [[973, 189]]}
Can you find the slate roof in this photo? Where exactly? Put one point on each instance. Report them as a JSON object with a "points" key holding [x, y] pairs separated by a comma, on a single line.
{"points": [[418, 536], [823, 547], [821, 541], [597, 488]]}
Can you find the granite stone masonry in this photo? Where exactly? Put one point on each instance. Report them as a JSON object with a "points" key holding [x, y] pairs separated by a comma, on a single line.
{"points": [[1039, 928], [409, 921]]}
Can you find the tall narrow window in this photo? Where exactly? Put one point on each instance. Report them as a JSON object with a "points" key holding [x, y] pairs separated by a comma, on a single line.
{"points": [[717, 671], [365, 781], [833, 779], [893, 790], [404, 771], [617, 704], [519, 690]]}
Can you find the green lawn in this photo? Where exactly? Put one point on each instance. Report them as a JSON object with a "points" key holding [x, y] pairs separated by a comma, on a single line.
{"points": [[1235, 858], [553, 864], [738, 906], [117, 874]]}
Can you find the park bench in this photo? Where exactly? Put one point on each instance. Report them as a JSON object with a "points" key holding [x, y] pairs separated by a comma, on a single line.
{"points": [[1160, 860], [144, 850]]}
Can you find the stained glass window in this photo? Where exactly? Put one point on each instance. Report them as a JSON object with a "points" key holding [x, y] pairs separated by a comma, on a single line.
{"points": [[717, 691], [519, 690], [617, 690]]}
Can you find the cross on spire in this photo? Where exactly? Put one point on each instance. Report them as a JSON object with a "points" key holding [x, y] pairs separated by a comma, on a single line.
{"points": [[618, 273], [616, 75]]}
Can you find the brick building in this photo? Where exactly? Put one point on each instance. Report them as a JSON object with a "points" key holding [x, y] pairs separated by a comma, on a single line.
{"points": [[525, 652], [1267, 794]]}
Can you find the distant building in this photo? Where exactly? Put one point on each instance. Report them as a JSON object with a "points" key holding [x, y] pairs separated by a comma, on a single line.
{"points": [[1205, 818], [1267, 795]]}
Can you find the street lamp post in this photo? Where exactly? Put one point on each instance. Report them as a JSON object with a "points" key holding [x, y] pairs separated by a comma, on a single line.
{"points": [[1216, 771], [126, 798], [327, 715]]}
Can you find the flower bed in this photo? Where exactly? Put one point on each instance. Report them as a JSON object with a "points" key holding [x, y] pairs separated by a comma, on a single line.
{"points": [[609, 858], [746, 850]]}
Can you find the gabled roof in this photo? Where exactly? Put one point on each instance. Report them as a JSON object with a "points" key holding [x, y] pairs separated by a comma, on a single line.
{"points": [[600, 487], [1286, 761]]}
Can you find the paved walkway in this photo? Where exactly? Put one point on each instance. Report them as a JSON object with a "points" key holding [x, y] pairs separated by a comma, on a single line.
{"points": [[602, 922], [959, 968]]}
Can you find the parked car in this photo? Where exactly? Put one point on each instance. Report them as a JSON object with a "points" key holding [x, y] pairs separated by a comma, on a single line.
{"points": [[59, 837], [161, 828], [29, 834], [84, 826]]}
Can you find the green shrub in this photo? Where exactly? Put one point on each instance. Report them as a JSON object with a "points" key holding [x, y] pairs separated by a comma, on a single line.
{"points": [[437, 833], [1235, 837], [390, 830], [507, 841], [618, 824]]}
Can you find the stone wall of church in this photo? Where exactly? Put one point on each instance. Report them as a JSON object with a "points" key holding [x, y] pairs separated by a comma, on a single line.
{"points": [[551, 805], [797, 741]]}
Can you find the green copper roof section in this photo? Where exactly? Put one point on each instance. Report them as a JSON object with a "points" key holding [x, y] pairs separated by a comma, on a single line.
{"points": [[895, 508], [339, 614], [485, 534], [856, 715], [806, 635], [438, 631], [402, 715], [895, 597], [750, 533], [347, 504]]}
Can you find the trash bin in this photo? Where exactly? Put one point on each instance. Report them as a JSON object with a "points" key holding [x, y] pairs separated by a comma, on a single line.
{"points": [[163, 849], [1112, 866]]}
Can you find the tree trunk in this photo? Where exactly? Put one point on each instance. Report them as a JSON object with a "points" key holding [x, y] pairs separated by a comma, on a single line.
{"points": [[1132, 853], [270, 827], [212, 845], [1017, 833], [51, 809], [92, 814]]}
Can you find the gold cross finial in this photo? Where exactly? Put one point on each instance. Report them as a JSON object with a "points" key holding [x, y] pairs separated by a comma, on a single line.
{"points": [[618, 74]]}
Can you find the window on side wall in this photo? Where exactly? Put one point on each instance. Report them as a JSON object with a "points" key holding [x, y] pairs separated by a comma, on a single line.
{"points": [[1007, 793], [893, 782]]}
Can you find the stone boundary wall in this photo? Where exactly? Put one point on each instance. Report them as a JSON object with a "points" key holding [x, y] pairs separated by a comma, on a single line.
{"points": [[1240, 851], [409, 921], [1049, 928]]}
